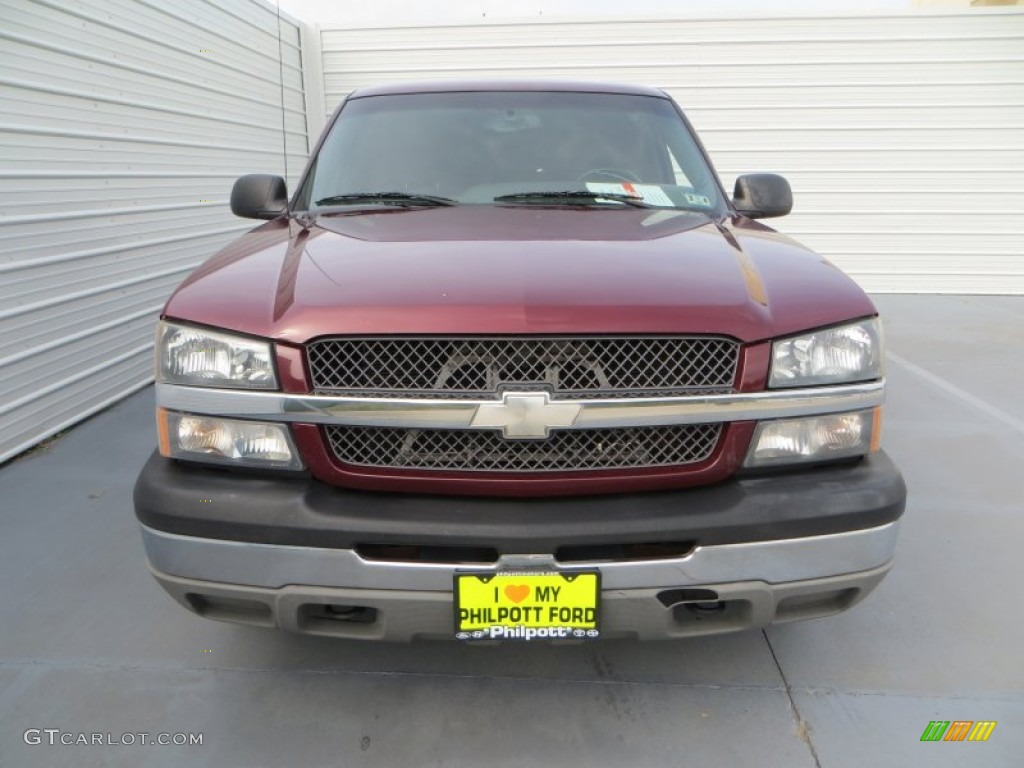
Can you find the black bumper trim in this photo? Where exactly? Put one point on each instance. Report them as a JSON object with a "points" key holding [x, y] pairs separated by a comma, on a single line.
{"points": [[210, 503]]}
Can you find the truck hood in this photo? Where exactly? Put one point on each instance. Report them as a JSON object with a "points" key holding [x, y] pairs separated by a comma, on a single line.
{"points": [[516, 270]]}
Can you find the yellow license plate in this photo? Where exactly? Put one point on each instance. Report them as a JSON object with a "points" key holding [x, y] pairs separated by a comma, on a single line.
{"points": [[527, 605]]}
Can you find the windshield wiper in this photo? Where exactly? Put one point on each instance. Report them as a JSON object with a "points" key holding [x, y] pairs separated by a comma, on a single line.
{"points": [[572, 195], [385, 198]]}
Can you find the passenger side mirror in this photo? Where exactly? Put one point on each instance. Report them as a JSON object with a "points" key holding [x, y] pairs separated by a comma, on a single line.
{"points": [[259, 196], [762, 196]]}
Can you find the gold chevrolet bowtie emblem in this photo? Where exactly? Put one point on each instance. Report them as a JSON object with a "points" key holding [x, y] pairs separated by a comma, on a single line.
{"points": [[525, 416]]}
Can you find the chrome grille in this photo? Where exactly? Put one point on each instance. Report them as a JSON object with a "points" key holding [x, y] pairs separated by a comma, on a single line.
{"points": [[488, 451], [481, 367]]}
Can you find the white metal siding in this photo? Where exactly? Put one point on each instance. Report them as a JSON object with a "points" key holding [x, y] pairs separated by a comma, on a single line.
{"points": [[903, 136], [123, 125]]}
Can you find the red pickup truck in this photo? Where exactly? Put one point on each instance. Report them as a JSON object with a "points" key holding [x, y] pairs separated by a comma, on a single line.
{"points": [[511, 365]]}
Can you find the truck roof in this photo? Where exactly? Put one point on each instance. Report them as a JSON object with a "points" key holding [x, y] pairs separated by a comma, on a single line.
{"points": [[449, 86]]}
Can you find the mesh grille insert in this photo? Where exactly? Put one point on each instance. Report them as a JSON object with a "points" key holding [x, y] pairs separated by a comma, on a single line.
{"points": [[481, 367], [485, 450]]}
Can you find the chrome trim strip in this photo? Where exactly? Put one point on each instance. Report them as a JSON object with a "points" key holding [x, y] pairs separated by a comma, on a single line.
{"points": [[460, 414], [274, 566]]}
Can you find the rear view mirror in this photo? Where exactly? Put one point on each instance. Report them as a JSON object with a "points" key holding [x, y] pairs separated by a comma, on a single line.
{"points": [[259, 196], [762, 196]]}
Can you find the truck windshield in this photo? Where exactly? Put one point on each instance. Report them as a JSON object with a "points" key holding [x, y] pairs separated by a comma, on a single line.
{"points": [[511, 148]]}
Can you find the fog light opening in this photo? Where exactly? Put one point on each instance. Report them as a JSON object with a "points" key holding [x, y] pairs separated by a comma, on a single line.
{"points": [[233, 609]]}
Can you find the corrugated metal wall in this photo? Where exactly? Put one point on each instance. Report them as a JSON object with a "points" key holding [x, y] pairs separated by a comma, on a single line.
{"points": [[903, 136], [123, 125]]}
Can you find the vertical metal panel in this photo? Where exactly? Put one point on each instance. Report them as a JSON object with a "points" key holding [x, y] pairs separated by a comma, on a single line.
{"points": [[313, 77], [123, 125], [901, 134]]}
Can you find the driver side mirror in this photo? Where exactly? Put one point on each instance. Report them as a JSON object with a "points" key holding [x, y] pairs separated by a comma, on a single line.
{"points": [[762, 196], [259, 196]]}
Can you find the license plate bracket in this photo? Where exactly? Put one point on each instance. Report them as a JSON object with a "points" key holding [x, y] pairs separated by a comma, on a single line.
{"points": [[527, 605]]}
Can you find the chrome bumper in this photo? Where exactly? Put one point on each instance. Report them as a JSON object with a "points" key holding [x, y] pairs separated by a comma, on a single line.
{"points": [[756, 583], [267, 565]]}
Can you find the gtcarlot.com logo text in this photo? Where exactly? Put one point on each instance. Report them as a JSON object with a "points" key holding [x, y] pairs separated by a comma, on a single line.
{"points": [[54, 736]]}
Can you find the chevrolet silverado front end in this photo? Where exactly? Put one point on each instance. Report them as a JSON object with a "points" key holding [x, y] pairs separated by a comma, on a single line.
{"points": [[510, 365]]}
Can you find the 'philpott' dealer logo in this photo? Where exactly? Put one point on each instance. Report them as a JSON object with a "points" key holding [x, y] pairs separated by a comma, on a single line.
{"points": [[958, 730]]}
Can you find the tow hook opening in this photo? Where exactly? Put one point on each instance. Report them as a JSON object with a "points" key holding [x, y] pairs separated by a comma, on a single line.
{"points": [[704, 608], [704, 599], [351, 614], [716, 606]]}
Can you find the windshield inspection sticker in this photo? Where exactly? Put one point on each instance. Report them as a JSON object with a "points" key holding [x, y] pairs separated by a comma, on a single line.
{"points": [[700, 200], [648, 193]]}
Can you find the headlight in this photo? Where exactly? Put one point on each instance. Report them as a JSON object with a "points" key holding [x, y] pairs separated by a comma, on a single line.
{"points": [[816, 438], [830, 356], [204, 358], [226, 441]]}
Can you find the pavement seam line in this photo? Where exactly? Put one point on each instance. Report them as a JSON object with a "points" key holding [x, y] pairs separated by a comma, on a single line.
{"points": [[803, 732], [960, 394]]}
